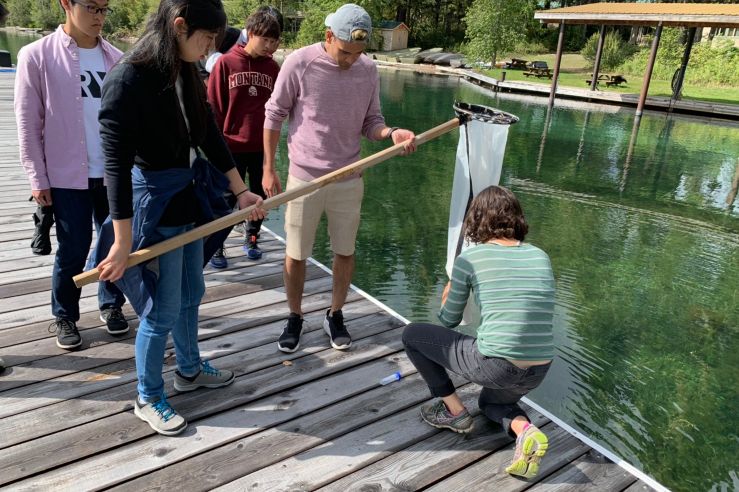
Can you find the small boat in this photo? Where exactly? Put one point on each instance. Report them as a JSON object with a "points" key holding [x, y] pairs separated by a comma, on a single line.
{"points": [[443, 58], [422, 55]]}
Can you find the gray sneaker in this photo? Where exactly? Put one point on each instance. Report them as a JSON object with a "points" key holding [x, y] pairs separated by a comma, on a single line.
{"points": [[437, 415], [67, 335], [160, 416], [208, 377]]}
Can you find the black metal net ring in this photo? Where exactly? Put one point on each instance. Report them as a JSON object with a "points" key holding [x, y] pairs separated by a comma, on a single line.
{"points": [[482, 113]]}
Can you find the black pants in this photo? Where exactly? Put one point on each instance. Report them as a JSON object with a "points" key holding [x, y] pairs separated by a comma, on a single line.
{"points": [[250, 163], [434, 349], [74, 211]]}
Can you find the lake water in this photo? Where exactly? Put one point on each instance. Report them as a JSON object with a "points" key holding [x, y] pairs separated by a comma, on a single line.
{"points": [[643, 232], [645, 249]]}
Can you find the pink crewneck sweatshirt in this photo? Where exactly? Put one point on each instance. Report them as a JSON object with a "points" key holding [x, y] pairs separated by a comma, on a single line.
{"points": [[329, 109]]}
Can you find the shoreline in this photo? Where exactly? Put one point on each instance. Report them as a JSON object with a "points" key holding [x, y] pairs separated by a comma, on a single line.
{"points": [[719, 111]]}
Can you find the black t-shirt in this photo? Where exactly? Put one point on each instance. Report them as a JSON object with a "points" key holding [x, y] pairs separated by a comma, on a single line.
{"points": [[141, 124]]}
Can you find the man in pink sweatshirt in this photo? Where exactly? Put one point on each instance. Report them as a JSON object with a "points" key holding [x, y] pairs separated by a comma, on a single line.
{"points": [[330, 93]]}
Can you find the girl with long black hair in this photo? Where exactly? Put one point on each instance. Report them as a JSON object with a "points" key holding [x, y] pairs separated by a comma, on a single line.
{"points": [[154, 122]]}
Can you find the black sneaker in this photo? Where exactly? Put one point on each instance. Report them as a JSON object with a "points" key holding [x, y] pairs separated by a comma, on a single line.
{"points": [[289, 340], [67, 336], [334, 327], [2, 365], [115, 322], [218, 260]]}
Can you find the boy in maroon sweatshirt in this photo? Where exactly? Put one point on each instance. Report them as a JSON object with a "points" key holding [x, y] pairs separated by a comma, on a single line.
{"points": [[238, 88]]}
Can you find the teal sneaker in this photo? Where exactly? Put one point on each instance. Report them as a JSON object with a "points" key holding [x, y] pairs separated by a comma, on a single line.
{"points": [[531, 445], [160, 416], [437, 415]]}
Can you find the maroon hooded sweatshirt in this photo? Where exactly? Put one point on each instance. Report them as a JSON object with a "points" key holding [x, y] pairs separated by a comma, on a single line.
{"points": [[238, 88]]}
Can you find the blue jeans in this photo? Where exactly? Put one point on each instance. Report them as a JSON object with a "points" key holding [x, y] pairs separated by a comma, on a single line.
{"points": [[179, 289], [434, 349], [73, 210]]}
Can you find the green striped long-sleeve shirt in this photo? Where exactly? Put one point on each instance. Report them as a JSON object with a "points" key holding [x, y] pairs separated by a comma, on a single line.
{"points": [[514, 287]]}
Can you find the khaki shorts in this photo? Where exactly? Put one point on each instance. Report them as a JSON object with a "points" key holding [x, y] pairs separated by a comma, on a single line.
{"points": [[342, 203]]}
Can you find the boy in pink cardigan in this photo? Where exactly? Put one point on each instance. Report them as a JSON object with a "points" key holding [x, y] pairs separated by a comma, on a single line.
{"points": [[57, 98]]}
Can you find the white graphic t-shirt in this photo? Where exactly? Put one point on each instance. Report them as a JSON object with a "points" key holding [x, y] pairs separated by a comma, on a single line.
{"points": [[92, 73]]}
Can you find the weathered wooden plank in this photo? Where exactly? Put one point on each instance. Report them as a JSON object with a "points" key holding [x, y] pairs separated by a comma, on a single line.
{"points": [[32, 272], [272, 379], [638, 486], [77, 384], [68, 413], [41, 313], [431, 460], [214, 298], [208, 304], [239, 269], [591, 471], [213, 433], [94, 437], [333, 460], [226, 463], [272, 252], [117, 349]]}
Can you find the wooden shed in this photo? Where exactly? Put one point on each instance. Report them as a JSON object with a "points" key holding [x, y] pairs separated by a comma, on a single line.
{"points": [[394, 35]]}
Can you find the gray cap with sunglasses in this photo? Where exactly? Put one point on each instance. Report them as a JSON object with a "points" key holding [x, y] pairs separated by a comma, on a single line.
{"points": [[347, 19]]}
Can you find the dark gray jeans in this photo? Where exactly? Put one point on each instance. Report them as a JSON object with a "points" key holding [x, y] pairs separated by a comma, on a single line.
{"points": [[434, 349]]}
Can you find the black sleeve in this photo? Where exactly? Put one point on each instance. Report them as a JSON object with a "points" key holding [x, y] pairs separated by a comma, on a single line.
{"points": [[118, 120], [214, 145]]}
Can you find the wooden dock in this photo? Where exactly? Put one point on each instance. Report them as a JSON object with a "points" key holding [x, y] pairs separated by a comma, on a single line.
{"points": [[315, 419]]}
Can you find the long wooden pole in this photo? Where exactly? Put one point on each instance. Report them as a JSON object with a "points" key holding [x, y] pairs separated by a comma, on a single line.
{"points": [[234, 218]]}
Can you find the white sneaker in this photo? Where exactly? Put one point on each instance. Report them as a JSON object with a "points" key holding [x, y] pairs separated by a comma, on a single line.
{"points": [[160, 416]]}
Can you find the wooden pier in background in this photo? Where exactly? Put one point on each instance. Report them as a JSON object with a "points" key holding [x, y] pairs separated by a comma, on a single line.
{"points": [[314, 419]]}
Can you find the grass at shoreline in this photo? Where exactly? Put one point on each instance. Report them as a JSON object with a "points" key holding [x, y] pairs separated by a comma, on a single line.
{"points": [[574, 73]]}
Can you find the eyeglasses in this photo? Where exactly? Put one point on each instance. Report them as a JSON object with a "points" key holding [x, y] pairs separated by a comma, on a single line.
{"points": [[93, 9]]}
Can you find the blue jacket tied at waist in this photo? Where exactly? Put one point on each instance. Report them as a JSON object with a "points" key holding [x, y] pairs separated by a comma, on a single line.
{"points": [[152, 191]]}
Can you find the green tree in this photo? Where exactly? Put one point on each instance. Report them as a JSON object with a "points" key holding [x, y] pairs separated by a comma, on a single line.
{"points": [[495, 26], [3, 12], [20, 13], [128, 17], [238, 10], [615, 50], [313, 27], [46, 14], [710, 63]]}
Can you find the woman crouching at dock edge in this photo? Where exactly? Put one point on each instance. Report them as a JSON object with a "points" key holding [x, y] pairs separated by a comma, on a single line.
{"points": [[153, 120], [513, 284]]}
